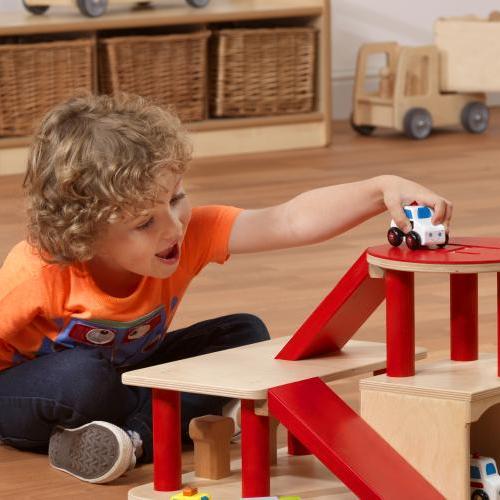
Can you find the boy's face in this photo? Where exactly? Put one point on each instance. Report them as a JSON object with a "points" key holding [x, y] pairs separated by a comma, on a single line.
{"points": [[149, 244]]}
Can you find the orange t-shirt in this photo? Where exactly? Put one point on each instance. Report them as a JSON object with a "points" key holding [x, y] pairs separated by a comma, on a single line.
{"points": [[47, 307]]}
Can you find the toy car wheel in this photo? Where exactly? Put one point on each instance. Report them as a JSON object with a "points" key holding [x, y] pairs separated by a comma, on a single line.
{"points": [[417, 123], [92, 8], [479, 495], [362, 129], [446, 239], [395, 236], [199, 4], [475, 117], [38, 10], [413, 241]]}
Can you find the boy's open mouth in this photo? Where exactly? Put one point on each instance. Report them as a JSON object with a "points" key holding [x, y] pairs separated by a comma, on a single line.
{"points": [[170, 254]]}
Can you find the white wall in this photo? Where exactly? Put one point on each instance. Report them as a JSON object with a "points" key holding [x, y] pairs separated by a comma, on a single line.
{"points": [[358, 21]]}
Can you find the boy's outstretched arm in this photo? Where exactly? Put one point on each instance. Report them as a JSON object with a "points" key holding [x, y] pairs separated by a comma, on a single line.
{"points": [[320, 214]]}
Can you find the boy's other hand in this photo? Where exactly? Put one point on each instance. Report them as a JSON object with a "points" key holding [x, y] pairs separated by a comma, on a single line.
{"points": [[397, 192]]}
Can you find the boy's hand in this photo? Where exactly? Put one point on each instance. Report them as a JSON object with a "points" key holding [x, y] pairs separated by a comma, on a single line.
{"points": [[398, 192]]}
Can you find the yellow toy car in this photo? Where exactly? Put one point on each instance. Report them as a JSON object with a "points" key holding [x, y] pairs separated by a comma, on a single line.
{"points": [[191, 494]]}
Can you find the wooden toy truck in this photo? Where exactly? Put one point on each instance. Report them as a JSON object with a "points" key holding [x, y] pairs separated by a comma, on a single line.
{"points": [[439, 85], [91, 8], [409, 97]]}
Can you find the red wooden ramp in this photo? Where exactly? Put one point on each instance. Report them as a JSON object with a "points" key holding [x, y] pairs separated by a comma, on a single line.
{"points": [[346, 444], [339, 316]]}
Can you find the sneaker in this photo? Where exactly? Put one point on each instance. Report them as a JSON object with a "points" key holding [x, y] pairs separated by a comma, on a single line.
{"points": [[98, 452], [233, 410]]}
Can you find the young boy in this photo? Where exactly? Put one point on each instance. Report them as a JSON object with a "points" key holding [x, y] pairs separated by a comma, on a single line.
{"points": [[112, 246]]}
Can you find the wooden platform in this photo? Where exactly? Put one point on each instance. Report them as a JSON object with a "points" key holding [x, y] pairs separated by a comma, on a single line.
{"points": [[303, 476], [248, 372], [438, 417]]}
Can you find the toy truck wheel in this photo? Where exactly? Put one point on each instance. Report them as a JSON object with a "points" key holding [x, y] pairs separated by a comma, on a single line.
{"points": [[199, 4], [38, 10], [417, 123], [475, 117], [413, 241], [395, 236], [479, 495], [92, 8], [362, 129]]}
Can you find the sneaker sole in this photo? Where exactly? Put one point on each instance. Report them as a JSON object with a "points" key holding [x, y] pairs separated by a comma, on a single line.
{"points": [[97, 453]]}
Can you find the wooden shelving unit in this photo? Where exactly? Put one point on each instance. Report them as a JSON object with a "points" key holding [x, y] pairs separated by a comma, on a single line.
{"points": [[213, 137]]}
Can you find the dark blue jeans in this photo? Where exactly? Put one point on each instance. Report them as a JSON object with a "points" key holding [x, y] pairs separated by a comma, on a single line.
{"points": [[76, 386]]}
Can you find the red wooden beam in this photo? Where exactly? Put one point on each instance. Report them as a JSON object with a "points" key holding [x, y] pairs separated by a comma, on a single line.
{"points": [[346, 444], [339, 316]]}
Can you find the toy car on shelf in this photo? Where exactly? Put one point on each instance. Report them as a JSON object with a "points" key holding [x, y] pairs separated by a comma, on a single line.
{"points": [[92, 8], [484, 478], [191, 493], [423, 234]]}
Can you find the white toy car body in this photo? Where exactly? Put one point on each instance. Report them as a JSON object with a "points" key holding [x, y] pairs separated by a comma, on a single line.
{"points": [[484, 478], [423, 233]]}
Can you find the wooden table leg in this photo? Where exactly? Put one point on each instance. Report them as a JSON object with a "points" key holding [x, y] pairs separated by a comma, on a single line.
{"points": [[463, 317], [256, 480], [400, 322], [167, 440]]}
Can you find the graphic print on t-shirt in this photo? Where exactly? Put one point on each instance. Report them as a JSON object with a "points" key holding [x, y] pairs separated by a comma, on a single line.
{"points": [[123, 343]]}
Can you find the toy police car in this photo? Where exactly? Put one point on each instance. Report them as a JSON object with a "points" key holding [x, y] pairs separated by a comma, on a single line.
{"points": [[484, 478], [423, 234]]}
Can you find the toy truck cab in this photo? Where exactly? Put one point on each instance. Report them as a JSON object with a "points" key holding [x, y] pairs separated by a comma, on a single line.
{"points": [[423, 233], [484, 478]]}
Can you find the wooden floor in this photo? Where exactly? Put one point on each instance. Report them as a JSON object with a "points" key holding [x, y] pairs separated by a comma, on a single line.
{"points": [[283, 287]]}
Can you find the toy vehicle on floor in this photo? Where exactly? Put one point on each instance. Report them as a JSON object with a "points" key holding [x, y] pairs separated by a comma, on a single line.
{"points": [[484, 478], [423, 234], [409, 97], [92, 8]]}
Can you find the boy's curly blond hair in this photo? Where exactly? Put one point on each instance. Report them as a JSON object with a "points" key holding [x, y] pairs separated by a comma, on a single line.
{"points": [[93, 159]]}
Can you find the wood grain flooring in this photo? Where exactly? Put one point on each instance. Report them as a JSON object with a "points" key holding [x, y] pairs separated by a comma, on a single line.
{"points": [[283, 287]]}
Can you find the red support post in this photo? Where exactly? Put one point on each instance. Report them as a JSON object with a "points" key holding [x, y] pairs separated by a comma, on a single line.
{"points": [[400, 319], [256, 479], [167, 440], [295, 447], [463, 314]]}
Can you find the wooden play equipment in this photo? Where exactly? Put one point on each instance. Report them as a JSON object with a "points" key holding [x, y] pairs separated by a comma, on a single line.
{"points": [[410, 96], [416, 429], [93, 8], [293, 390], [447, 410], [433, 418]]}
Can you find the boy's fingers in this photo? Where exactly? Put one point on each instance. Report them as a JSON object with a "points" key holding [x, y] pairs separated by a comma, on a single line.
{"points": [[399, 217], [439, 211]]}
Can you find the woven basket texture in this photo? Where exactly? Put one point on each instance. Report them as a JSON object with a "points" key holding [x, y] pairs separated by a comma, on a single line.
{"points": [[34, 77], [262, 71], [171, 70]]}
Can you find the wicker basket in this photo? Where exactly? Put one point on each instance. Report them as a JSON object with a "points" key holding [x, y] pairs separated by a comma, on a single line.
{"points": [[169, 69], [262, 71], [34, 77]]}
